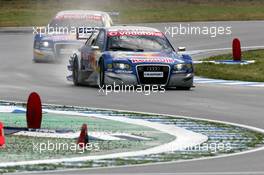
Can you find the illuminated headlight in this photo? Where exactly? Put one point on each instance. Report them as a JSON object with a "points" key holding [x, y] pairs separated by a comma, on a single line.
{"points": [[178, 67], [45, 44], [182, 67], [121, 66]]}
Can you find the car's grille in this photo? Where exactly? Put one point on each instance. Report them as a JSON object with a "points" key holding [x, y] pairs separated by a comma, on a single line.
{"points": [[65, 49], [153, 74]]}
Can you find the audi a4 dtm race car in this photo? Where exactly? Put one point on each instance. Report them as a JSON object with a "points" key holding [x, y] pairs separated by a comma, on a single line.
{"points": [[58, 38], [130, 55]]}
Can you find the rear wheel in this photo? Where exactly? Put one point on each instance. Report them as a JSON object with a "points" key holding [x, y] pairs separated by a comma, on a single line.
{"points": [[75, 72]]}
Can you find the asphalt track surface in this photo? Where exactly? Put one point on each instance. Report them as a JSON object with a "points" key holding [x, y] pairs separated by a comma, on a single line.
{"points": [[243, 105]]}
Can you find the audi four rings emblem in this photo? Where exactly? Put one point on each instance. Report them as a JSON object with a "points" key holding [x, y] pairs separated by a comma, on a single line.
{"points": [[153, 68]]}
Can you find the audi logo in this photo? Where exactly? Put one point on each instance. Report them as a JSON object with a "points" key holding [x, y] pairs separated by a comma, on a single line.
{"points": [[153, 68]]}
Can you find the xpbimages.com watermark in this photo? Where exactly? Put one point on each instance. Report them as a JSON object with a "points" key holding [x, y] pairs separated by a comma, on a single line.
{"points": [[209, 147], [124, 88], [189, 29], [62, 30], [179, 29], [50, 146]]}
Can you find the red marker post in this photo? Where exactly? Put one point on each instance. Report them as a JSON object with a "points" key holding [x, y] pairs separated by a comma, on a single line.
{"points": [[34, 111], [2, 136], [236, 50], [83, 139]]}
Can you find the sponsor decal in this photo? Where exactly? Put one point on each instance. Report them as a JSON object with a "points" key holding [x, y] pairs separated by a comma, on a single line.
{"points": [[62, 37], [133, 33], [122, 71], [121, 56], [152, 60], [143, 54], [79, 16], [153, 74]]}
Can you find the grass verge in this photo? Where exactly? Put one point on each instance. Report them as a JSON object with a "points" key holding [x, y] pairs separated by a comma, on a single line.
{"points": [[21, 148], [39, 12], [251, 72]]}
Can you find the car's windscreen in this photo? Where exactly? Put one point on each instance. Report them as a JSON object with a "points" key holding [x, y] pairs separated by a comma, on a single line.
{"points": [[73, 23], [140, 43]]}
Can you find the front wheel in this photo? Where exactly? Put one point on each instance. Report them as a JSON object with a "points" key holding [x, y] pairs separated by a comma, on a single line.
{"points": [[102, 74]]}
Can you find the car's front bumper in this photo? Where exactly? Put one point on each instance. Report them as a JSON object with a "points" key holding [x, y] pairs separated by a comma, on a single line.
{"points": [[43, 55], [174, 80], [181, 80], [112, 78]]}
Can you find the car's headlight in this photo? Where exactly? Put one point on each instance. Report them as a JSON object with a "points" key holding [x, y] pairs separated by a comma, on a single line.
{"points": [[182, 67], [178, 67], [45, 45], [122, 66]]}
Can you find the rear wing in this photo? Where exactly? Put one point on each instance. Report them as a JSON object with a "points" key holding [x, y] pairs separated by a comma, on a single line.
{"points": [[84, 33]]}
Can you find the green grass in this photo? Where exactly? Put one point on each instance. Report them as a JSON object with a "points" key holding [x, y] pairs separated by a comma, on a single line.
{"points": [[39, 12], [14, 144], [248, 139], [251, 72]]}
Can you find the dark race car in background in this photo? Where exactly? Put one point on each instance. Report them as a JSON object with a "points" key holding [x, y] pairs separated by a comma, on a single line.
{"points": [[130, 55], [58, 39]]}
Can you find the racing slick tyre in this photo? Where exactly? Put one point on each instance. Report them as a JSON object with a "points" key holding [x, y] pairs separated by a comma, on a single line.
{"points": [[75, 72], [102, 74]]}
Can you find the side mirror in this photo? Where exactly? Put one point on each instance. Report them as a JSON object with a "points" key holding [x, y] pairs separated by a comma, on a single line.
{"points": [[181, 49], [95, 48]]}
